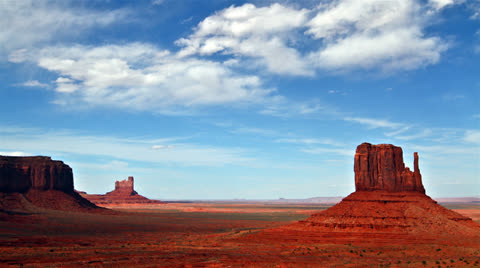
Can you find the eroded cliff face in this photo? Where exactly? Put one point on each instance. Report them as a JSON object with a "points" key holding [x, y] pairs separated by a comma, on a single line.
{"points": [[22, 174], [381, 167]]}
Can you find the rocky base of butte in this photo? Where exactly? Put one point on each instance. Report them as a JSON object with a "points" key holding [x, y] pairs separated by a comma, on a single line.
{"points": [[389, 199], [123, 194]]}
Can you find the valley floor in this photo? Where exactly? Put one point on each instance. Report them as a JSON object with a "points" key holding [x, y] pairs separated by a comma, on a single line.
{"points": [[213, 235]]}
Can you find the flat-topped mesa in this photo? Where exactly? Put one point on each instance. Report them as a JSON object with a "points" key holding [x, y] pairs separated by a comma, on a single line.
{"points": [[381, 167], [124, 187], [21, 174]]}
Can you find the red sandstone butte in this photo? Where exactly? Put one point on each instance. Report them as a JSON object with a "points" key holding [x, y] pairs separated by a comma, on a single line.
{"points": [[123, 194], [389, 199], [381, 167], [38, 181]]}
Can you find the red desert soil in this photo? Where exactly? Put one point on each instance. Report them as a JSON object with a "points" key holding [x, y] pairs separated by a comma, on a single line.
{"points": [[169, 236]]}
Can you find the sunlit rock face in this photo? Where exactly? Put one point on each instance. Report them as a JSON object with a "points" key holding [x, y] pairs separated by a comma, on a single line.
{"points": [[381, 167], [389, 199]]}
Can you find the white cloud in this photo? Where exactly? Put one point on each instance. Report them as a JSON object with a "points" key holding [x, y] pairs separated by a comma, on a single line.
{"points": [[396, 132], [347, 34], [28, 23], [472, 136], [34, 83], [374, 123], [14, 154], [141, 77], [262, 33], [439, 4], [373, 34]]}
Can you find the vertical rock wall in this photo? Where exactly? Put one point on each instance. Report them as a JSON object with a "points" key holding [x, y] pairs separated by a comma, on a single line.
{"points": [[381, 167], [21, 174]]}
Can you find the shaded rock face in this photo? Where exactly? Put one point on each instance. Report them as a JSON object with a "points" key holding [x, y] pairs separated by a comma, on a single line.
{"points": [[21, 174], [381, 167], [30, 183]]}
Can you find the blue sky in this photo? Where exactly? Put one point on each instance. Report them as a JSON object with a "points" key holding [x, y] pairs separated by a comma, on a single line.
{"points": [[231, 99]]}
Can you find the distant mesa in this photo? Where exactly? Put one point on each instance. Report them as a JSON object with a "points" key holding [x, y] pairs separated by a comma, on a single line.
{"points": [[389, 199], [123, 194], [29, 183]]}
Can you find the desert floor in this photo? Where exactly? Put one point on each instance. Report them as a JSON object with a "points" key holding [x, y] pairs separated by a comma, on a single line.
{"points": [[213, 235]]}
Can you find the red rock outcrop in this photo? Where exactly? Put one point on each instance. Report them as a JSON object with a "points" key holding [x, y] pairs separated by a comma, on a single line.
{"points": [[389, 199], [123, 188], [381, 167], [21, 174], [39, 181], [124, 194]]}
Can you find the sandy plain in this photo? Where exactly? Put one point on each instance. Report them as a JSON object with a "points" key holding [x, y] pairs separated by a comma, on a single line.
{"points": [[213, 235]]}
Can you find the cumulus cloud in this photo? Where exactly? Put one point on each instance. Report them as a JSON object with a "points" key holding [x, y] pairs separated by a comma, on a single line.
{"points": [[346, 34], [28, 23], [142, 77], [373, 34], [262, 33]]}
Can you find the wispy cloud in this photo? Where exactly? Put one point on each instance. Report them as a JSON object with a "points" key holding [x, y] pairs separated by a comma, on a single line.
{"points": [[255, 130], [34, 83], [472, 136], [374, 123], [30, 23], [121, 149], [162, 147], [319, 150], [424, 133], [311, 141]]}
